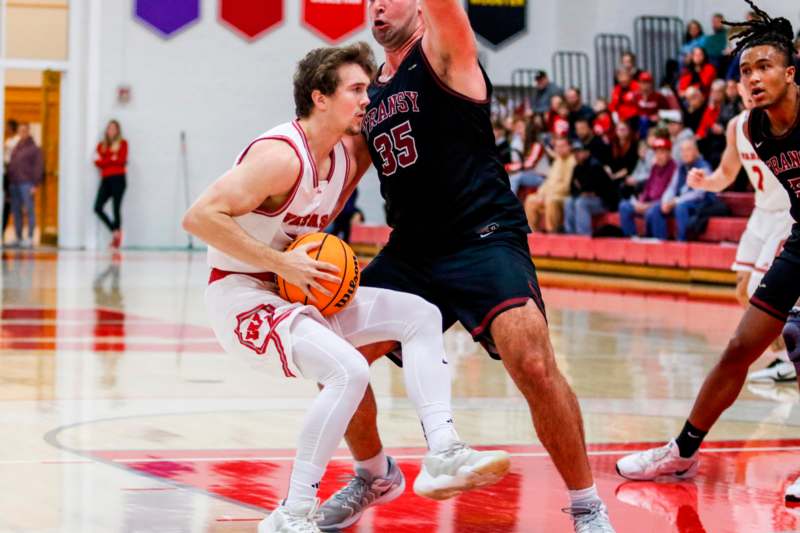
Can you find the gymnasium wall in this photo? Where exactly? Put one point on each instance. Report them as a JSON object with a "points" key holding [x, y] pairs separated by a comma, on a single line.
{"points": [[222, 91]]}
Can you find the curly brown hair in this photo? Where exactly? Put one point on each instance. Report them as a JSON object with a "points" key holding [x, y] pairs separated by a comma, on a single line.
{"points": [[318, 71]]}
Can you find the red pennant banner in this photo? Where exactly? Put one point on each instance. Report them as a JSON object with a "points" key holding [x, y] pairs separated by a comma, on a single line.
{"points": [[334, 20], [251, 18]]}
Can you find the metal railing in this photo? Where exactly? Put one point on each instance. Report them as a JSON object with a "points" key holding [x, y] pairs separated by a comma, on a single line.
{"points": [[608, 48], [657, 40], [571, 69]]}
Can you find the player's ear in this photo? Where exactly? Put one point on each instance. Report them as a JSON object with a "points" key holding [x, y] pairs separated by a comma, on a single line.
{"points": [[319, 99], [790, 72]]}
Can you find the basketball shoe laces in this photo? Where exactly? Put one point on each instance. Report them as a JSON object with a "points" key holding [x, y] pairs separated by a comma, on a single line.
{"points": [[359, 493], [590, 518], [304, 523]]}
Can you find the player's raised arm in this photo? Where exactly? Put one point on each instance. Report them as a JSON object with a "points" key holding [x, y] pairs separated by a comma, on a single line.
{"points": [[270, 171], [729, 166], [449, 44]]}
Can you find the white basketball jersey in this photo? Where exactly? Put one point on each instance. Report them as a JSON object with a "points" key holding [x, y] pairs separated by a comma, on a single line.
{"points": [[307, 209], [770, 194]]}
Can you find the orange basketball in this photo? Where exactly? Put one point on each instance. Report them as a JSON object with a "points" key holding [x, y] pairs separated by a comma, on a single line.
{"points": [[337, 252]]}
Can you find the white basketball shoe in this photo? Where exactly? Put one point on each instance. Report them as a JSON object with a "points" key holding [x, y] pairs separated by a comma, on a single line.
{"points": [[459, 468], [656, 462]]}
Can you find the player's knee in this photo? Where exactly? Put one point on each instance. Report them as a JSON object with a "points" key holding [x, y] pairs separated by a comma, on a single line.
{"points": [[536, 367], [739, 352], [355, 375]]}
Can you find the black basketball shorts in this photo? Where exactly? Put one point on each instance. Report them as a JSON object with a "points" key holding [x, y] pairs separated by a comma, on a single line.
{"points": [[472, 285], [779, 291]]}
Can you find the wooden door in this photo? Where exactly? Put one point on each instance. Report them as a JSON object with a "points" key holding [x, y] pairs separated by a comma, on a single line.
{"points": [[48, 197]]}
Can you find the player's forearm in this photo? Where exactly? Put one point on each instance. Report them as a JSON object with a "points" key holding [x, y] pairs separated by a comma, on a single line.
{"points": [[221, 231]]}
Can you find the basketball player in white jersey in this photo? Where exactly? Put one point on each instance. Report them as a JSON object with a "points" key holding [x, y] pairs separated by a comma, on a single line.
{"points": [[290, 181], [769, 226]]}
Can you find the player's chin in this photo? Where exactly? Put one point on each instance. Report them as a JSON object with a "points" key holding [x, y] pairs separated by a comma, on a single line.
{"points": [[353, 130]]}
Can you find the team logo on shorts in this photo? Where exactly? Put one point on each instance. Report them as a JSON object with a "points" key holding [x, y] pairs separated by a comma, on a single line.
{"points": [[255, 328]]}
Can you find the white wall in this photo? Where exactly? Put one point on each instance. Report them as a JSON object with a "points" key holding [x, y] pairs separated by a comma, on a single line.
{"points": [[222, 90]]}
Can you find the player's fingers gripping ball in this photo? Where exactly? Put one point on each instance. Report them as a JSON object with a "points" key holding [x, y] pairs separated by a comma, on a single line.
{"points": [[331, 250]]}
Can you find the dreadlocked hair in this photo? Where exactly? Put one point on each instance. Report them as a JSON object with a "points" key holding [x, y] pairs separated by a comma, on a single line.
{"points": [[764, 30]]}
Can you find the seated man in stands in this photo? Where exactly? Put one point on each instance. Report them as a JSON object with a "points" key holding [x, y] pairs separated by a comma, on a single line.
{"points": [[592, 192], [585, 134], [679, 199], [678, 132], [661, 174], [544, 208]]}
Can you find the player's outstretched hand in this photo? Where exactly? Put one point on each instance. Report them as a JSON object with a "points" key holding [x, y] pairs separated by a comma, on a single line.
{"points": [[696, 179], [306, 273]]}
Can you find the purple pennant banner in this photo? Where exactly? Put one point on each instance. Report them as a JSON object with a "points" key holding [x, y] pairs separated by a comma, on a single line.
{"points": [[167, 16]]}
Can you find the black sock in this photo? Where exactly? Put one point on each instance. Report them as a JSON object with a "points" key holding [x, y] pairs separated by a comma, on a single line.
{"points": [[689, 440]]}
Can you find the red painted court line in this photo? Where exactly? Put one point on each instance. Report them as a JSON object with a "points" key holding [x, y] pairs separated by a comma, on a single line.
{"points": [[125, 346]]}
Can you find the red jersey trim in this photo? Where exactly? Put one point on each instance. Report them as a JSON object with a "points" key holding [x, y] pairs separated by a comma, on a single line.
{"points": [[281, 208], [446, 88], [303, 137]]}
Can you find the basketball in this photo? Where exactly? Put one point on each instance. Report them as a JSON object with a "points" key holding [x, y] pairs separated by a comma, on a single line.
{"points": [[335, 251]]}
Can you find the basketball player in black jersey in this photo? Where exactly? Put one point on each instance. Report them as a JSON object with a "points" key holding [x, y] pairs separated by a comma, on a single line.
{"points": [[767, 74], [459, 239]]}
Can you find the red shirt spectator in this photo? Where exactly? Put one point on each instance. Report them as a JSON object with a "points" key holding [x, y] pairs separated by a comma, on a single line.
{"points": [[624, 97], [110, 161], [698, 73], [650, 102]]}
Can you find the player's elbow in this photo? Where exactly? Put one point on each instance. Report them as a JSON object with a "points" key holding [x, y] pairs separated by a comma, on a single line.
{"points": [[192, 220]]}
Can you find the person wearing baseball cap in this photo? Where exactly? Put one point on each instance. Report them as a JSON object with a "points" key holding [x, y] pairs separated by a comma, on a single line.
{"points": [[661, 175], [649, 103], [543, 91], [678, 132]]}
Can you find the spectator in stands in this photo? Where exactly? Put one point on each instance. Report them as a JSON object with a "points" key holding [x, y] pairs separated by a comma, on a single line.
{"points": [[695, 107], [680, 200], [577, 109], [560, 126], [343, 223], [544, 208], [543, 92], [698, 72], [628, 62], [584, 133], [710, 134], [732, 106], [664, 167], [12, 138], [716, 99], [592, 192], [634, 183], [649, 103], [529, 172], [624, 157], [692, 38], [716, 42], [501, 141], [677, 131], [624, 97], [603, 123]]}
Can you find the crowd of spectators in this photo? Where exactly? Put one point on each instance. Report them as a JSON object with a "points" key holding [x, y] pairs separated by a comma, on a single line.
{"points": [[571, 160]]}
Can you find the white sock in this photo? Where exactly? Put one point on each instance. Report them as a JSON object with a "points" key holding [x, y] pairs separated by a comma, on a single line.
{"points": [[304, 484], [437, 423], [377, 466], [586, 496]]}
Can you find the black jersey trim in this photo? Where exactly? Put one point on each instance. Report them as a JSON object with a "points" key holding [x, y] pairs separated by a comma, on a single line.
{"points": [[766, 124], [450, 90]]}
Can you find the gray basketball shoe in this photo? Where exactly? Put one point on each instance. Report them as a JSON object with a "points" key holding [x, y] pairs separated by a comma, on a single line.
{"points": [[591, 518], [346, 506]]}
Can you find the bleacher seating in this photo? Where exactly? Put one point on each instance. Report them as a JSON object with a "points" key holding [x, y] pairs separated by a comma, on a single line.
{"points": [[707, 260]]}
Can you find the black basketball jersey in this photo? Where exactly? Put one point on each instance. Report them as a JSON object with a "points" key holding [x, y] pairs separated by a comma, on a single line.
{"points": [[780, 154], [440, 173]]}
